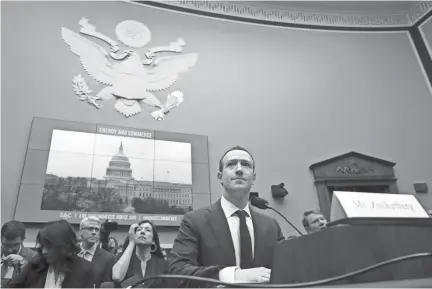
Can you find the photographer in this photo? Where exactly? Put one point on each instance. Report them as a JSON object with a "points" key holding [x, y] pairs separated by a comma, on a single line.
{"points": [[102, 261]]}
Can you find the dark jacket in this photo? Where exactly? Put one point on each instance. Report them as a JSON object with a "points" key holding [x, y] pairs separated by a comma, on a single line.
{"points": [[102, 264], [155, 266], [34, 274], [204, 245], [27, 254]]}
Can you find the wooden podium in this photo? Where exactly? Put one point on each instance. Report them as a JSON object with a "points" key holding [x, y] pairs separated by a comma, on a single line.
{"points": [[349, 245]]}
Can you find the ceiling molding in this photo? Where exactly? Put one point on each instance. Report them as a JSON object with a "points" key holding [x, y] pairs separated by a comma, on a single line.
{"points": [[418, 11], [399, 19]]}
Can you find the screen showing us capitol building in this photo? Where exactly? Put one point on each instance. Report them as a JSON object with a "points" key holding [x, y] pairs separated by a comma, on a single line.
{"points": [[114, 173]]}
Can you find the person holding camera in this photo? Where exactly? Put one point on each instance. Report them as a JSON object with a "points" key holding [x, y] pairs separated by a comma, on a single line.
{"points": [[141, 257], [102, 261]]}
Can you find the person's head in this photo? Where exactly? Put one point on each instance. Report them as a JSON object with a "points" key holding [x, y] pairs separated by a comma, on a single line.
{"points": [[237, 172], [90, 230], [12, 237], [147, 235], [112, 242], [313, 221], [113, 245], [57, 243]]}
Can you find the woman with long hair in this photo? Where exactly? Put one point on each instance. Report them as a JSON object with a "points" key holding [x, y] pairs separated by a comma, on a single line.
{"points": [[57, 264], [141, 256]]}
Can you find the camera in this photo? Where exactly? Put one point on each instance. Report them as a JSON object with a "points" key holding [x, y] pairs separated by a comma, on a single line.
{"points": [[108, 227]]}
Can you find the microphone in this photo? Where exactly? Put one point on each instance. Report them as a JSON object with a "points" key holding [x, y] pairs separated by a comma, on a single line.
{"points": [[262, 204]]}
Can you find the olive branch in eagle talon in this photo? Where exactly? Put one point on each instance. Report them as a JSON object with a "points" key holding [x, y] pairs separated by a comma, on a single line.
{"points": [[128, 79], [173, 100], [80, 88]]}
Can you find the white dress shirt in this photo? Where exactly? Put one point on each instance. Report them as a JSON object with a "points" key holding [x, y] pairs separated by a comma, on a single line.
{"points": [[227, 274], [51, 282], [88, 254]]}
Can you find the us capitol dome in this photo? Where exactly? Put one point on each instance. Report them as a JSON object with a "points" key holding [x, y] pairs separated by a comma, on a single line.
{"points": [[119, 168]]}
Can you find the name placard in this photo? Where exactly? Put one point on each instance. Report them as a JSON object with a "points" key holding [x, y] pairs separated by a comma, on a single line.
{"points": [[374, 205]]}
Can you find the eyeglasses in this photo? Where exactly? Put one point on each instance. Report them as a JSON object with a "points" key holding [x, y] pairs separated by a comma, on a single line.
{"points": [[92, 229]]}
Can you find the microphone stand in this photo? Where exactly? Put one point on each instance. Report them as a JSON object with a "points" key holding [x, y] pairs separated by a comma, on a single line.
{"points": [[285, 219]]}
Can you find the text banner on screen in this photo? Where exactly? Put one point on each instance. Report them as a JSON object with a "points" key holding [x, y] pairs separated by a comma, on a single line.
{"points": [[120, 131]]}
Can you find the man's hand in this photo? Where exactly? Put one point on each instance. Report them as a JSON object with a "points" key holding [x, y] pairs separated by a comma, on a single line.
{"points": [[259, 275], [13, 260]]}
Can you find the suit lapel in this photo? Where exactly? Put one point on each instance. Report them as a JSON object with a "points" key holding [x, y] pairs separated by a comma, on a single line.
{"points": [[96, 255], [259, 237], [221, 231]]}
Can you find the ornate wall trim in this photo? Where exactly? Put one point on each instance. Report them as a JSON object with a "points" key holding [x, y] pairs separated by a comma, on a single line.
{"points": [[318, 19], [293, 17], [419, 11]]}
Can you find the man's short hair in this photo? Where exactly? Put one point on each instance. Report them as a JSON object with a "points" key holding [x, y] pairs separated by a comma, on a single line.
{"points": [[305, 220], [13, 229], [91, 219], [236, 148]]}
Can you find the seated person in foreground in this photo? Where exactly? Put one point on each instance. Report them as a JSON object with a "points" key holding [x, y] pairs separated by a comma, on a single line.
{"points": [[57, 264], [229, 241], [141, 257]]}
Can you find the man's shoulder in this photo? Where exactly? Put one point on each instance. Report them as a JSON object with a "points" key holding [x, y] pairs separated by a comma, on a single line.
{"points": [[27, 253], [198, 213], [103, 254], [267, 219]]}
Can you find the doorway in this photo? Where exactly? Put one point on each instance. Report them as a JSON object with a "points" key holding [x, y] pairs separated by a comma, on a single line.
{"points": [[352, 172]]}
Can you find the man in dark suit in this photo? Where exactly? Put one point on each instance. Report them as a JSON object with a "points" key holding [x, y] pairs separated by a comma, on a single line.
{"points": [[102, 261], [14, 254], [229, 240]]}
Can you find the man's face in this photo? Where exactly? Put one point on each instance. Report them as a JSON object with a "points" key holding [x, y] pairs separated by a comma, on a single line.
{"points": [[316, 222], [237, 174], [90, 233], [11, 246]]}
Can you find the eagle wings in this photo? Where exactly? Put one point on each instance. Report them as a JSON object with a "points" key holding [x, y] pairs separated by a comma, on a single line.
{"points": [[160, 75]]}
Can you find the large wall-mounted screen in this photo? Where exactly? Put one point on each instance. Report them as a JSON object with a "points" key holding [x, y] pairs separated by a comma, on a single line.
{"points": [[124, 174]]}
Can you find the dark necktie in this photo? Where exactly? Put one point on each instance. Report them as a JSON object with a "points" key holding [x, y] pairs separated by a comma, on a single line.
{"points": [[245, 242]]}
